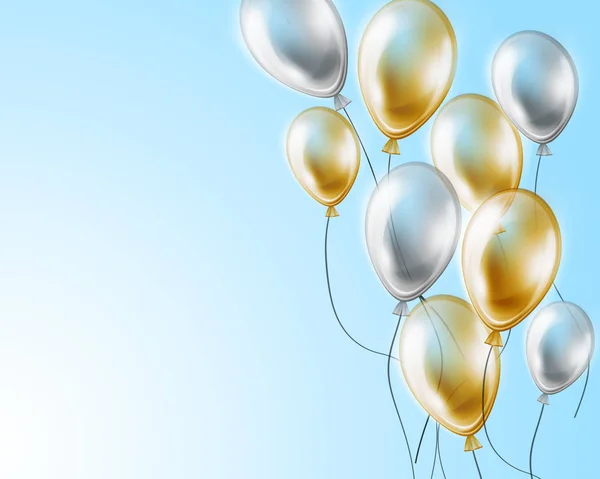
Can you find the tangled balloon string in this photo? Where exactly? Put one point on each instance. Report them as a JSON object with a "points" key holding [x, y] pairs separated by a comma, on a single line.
{"points": [[512, 246]]}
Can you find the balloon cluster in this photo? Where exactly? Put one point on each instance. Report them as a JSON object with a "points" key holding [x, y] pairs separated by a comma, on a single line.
{"points": [[449, 348]]}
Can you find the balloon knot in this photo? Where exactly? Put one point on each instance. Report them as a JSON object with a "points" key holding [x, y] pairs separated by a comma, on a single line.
{"points": [[391, 147], [544, 399], [331, 212], [340, 102], [401, 309], [472, 444], [494, 339], [543, 150]]}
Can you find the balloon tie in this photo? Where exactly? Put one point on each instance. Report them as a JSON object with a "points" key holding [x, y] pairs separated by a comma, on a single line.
{"points": [[389, 376], [362, 145], [533, 442], [331, 212], [472, 444], [340, 102], [485, 420], [333, 304], [543, 150], [391, 147]]}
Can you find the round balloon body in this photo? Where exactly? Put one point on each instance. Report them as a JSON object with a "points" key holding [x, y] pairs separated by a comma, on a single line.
{"points": [[406, 64], [511, 253], [324, 154], [560, 345], [300, 43], [476, 146], [412, 227], [536, 84], [443, 358]]}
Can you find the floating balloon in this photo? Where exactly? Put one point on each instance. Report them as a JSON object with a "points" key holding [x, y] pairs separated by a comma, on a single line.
{"points": [[300, 43], [412, 226], [323, 152], [560, 345], [406, 64], [507, 274], [443, 356], [476, 146], [536, 83]]}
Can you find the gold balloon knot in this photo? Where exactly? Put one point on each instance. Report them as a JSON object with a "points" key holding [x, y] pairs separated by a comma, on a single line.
{"points": [[331, 212], [391, 147], [500, 230], [494, 339], [472, 444]]}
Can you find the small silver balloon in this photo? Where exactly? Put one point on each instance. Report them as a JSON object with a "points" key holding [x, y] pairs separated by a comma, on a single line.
{"points": [[300, 43], [413, 225], [560, 345], [536, 84]]}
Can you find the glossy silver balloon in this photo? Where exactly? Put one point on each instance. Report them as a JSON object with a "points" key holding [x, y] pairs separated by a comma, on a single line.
{"points": [[413, 224], [560, 344], [302, 43], [536, 84]]}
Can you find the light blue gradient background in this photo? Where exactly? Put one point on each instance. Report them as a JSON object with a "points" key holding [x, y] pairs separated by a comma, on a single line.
{"points": [[163, 307]]}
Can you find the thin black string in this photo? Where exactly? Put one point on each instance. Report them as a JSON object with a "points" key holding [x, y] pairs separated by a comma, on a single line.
{"points": [[389, 163], [333, 304], [587, 377], [533, 442], [505, 342], [421, 440], [435, 455], [563, 300], [437, 432], [389, 376], [362, 145], [485, 421], [477, 464]]}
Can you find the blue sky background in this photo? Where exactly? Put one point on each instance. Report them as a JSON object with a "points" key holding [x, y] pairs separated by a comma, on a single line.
{"points": [[163, 306]]}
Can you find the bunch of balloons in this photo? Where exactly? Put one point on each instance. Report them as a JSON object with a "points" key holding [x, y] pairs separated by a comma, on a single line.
{"points": [[449, 348]]}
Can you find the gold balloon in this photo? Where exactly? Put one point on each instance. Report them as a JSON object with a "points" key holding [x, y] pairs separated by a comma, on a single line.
{"points": [[508, 274], [443, 357], [406, 64], [477, 147], [324, 154]]}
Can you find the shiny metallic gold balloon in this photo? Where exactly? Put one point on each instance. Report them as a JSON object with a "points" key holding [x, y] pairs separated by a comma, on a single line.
{"points": [[406, 64], [477, 147], [443, 357], [508, 274], [324, 154]]}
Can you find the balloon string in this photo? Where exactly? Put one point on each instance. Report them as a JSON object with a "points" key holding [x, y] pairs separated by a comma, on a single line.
{"points": [[362, 145], [587, 377], [389, 376], [558, 292], [505, 342], [533, 442], [477, 464], [485, 421], [437, 432], [333, 304], [435, 455], [422, 299], [395, 238], [421, 440]]}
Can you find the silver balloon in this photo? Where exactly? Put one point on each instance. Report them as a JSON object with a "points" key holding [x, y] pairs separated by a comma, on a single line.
{"points": [[301, 43], [536, 84], [560, 345], [413, 225]]}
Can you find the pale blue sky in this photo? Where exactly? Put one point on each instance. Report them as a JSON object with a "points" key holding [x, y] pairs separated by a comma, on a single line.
{"points": [[163, 305]]}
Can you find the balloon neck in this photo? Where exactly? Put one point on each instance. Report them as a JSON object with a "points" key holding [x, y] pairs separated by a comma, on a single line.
{"points": [[500, 229], [472, 444], [340, 102], [401, 309], [391, 147], [331, 212], [543, 150], [494, 339], [544, 399]]}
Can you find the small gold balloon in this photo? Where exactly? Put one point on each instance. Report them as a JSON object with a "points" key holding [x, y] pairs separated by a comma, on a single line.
{"points": [[443, 357], [508, 274], [324, 154], [406, 64], [477, 147]]}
